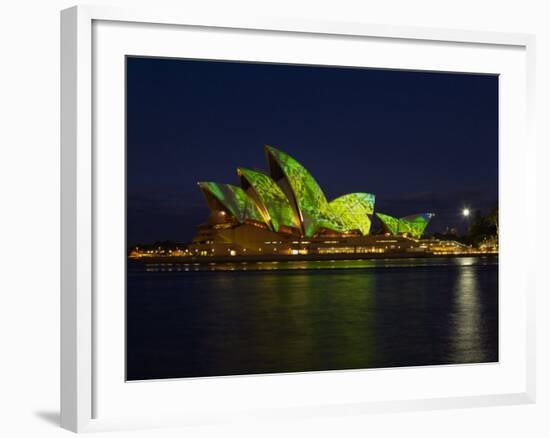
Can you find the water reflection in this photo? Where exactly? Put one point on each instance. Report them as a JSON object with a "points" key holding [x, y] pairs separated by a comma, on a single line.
{"points": [[466, 318], [371, 314]]}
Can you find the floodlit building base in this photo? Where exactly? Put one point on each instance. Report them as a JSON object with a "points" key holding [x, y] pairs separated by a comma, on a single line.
{"points": [[252, 240]]}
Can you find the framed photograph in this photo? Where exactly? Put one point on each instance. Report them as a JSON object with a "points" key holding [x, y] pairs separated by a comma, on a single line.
{"points": [[284, 218]]}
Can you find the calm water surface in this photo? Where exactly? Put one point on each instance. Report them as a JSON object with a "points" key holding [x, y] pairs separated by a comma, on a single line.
{"points": [[212, 320]]}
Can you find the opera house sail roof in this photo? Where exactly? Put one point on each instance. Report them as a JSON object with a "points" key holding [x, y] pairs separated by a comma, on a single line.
{"points": [[270, 198], [353, 209], [231, 199], [413, 225], [289, 199]]}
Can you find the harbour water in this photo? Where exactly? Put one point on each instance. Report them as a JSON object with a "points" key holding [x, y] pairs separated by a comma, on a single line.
{"points": [[198, 320]]}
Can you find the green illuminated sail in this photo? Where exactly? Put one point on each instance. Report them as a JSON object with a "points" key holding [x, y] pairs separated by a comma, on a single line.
{"points": [[291, 198], [307, 198], [233, 199], [353, 210], [417, 223], [271, 200], [391, 224], [413, 225]]}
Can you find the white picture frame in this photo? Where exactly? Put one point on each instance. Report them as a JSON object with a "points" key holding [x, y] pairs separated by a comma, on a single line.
{"points": [[82, 374]]}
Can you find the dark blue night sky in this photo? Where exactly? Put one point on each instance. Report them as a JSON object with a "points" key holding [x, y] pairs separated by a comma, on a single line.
{"points": [[419, 141]]}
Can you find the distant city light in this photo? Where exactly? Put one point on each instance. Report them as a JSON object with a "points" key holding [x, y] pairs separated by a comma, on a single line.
{"points": [[466, 212]]}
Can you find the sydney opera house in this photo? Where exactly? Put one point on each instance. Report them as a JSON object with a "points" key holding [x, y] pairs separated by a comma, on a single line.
{"points": [[285, 212]]}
